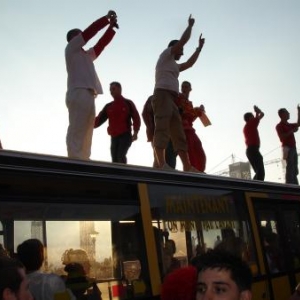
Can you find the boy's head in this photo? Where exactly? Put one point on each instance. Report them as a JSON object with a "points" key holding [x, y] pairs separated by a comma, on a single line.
{"points": [[222, 275]]}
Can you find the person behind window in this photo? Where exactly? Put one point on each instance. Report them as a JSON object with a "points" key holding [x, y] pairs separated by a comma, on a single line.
{"points": [[13, 281], [42, 286]]}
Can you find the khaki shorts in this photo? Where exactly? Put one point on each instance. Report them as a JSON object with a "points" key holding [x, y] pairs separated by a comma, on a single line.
{"points": [[168, 124]]}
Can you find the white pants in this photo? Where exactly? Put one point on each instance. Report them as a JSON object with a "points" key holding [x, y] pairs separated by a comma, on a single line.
{"points": [[81, 106]]}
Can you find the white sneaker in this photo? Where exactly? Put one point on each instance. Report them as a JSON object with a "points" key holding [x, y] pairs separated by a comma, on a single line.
{"points": [[166, 167]]}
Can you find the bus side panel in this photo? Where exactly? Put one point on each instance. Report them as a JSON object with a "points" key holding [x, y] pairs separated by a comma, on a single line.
{"points": [[278, 290], [260, 290]]}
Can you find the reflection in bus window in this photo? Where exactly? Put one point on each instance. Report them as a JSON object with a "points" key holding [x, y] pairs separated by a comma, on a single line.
{"points": [[198, 220], [271, 241]]}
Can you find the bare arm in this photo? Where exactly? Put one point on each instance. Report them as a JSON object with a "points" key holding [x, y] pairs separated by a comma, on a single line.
{"points": [[185, 36], [191, 61], [258, 113]]}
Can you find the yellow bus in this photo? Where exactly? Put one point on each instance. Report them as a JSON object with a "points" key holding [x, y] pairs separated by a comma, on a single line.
{"points": [[135, 224]]}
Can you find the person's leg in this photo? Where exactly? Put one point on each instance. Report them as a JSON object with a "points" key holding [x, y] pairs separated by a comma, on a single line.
{"points": [[114, 149], [171, 155], [292, 167], [195, 150], [125, 141], [162, 103], [178, 138], [79, 103], [250, 153], [260, 173]]}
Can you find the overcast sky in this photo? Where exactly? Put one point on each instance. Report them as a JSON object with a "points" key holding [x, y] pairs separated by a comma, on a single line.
{"points": [[251, 56]]}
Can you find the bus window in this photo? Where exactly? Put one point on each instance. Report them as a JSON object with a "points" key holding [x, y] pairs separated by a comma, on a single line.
{"points": [[1, 234], [193, 220], [292, 231], [101, 237], [271, 240]]}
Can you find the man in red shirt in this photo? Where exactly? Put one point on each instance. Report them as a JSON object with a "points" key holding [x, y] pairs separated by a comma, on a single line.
{"points": [[121, 115], [253, 142], [285, 131]]}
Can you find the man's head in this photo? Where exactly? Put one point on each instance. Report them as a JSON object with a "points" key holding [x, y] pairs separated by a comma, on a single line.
{"points": [[115, 89], [186, 87], [13, 282], [283, 114], [222, 275], [179, 51], [248, 116], [31, 254], [72, 33]]}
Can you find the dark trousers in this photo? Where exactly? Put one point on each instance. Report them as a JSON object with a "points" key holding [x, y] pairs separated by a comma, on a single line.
{"points": [[119, 147], [292, 167], [256, 161]]}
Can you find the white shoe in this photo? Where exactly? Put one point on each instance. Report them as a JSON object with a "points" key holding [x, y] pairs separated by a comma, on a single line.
{"points": [[166, 167]]}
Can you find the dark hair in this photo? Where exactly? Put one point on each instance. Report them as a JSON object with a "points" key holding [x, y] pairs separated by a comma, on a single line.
{"points": [[281, 111], [222, 260], [186, 82], [116, 83], [172, 43], [31, 254], [10, 275], [247, 116], [71, 33]]}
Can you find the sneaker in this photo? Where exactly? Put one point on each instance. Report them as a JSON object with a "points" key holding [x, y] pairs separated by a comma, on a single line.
{"points": [[166, 167]]}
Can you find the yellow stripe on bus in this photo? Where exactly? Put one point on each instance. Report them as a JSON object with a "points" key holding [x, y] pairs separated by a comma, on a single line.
{"points": [[149, 239], [255, 228]]}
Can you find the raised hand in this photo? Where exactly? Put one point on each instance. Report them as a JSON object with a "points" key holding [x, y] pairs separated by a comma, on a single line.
{"points": [[111, 13], [201, 42], [191, 21]]}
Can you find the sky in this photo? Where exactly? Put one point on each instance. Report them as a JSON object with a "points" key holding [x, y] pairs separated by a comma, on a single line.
{"points": [[250, 57]]}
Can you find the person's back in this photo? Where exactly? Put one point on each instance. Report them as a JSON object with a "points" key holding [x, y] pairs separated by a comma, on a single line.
{"points": [[42, 286]]}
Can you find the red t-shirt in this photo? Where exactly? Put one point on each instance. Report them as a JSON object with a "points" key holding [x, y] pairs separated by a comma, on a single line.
{"points": [[251, 132], [282, 128]]}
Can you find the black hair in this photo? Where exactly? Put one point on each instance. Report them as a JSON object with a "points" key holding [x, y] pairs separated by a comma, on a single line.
{"points": [[247, 116], [172, 43], [118, 84], [71, 33], [222, 260], [31, 254], [281, 111]]}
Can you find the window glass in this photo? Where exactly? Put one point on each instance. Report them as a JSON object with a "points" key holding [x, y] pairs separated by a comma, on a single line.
{"points": [[189, 221], [292, 230], [101, 238], [271, 240]]}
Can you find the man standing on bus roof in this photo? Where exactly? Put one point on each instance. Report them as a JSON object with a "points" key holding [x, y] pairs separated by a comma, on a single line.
{"points": [[285, 131], [167, 118], [83, 83], [252, 141], [122, 115]]}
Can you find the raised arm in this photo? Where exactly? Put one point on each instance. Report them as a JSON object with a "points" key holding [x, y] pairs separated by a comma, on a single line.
{"points": [[185, 36], [99, 24], [191, 61], [258, 113]]}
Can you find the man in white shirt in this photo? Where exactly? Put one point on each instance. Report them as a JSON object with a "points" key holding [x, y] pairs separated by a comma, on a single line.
{"points": [[84, 84], [167, 118]]}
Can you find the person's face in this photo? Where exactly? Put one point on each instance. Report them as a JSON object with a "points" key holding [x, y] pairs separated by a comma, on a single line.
{"points": [[185, 88], [216, 284], [285, 115], [115, 91]]}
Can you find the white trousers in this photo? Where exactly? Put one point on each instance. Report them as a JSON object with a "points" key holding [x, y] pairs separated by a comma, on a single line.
{"points": [[81, 106]]}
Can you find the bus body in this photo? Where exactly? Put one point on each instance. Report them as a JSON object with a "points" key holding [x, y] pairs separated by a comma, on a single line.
{"points": [[136, 224]]}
